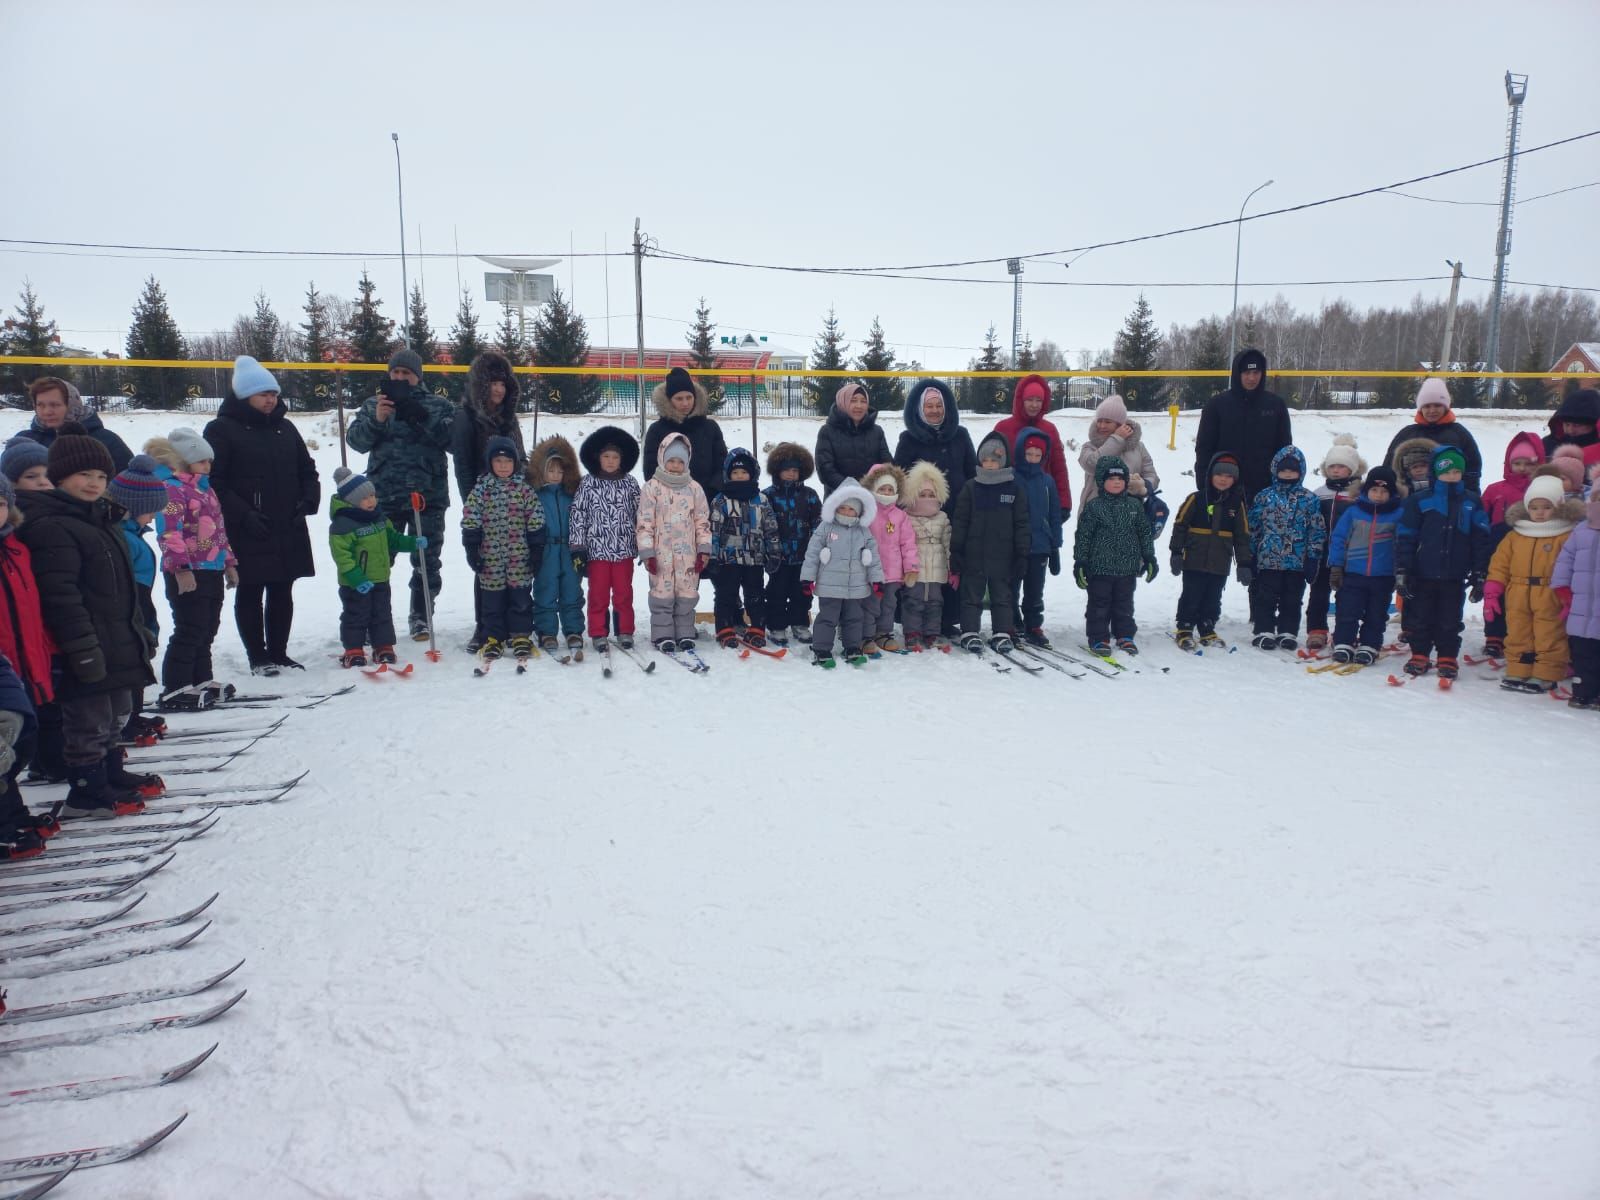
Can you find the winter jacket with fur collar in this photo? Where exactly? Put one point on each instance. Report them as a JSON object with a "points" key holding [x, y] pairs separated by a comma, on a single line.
{"points": [[707, 449], [1142, 475], [842, 560], [475, 422]]}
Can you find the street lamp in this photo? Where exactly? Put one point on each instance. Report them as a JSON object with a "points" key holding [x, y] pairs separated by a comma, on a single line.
{"points": [[1238, 235], [405, 286]]}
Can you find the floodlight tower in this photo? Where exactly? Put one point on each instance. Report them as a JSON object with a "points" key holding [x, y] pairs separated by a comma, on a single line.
{"points": [[1014, 268], [1516, 93]]}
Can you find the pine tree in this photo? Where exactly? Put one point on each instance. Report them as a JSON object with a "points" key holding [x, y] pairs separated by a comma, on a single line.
{"points": [[1532, 393], [265, 340], [561, 339], [1210, 354], [465, 344], [1025, 356], [419, 333], [703, 356], [828, 354], [885, 395], [29, 335], [987, 394], [371, 334], [154, 334], [1468, 393], [1136, 348], [508, 336], [314, 389]]}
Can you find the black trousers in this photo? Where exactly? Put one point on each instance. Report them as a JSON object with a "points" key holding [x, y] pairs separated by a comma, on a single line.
{"points": [[730, 582], [1317, 598], [264, 613], [433, 528], [1200, 602], [1110, 608], [196, 617], [1276, 600], [49, 756], [786, 604], [1363, 610], [1030, 605], [1433, 616], [1002, 602], [1586, 663], [365, 619], [506, 612]]}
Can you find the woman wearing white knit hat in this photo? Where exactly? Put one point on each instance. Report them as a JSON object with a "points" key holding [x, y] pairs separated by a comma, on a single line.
{"points": [[1436, 421]]}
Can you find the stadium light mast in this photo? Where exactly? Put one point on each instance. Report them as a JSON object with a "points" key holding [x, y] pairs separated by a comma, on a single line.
{"points": [[1014, 269], [1516, 93]]}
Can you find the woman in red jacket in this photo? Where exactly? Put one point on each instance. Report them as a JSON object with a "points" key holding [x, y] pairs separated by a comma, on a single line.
{"points": [[26, 644], [1029, 402]]}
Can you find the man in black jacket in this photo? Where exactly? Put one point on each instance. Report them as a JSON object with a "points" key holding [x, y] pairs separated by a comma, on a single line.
{"points": [[1246, 421]]}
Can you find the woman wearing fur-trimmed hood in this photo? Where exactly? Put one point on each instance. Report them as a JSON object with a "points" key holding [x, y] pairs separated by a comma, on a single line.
{"points": [[682, 406], [488, 409]]}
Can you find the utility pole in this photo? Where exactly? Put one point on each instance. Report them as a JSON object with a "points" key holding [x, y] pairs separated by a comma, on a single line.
{"points": [[1450, 314], [405, 286], [1238, 242], [638, 312], [1516, 93]]}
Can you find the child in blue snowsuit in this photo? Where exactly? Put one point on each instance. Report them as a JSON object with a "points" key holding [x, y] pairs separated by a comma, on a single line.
{"points": [[558, 587], [1442, 551], [1044, 530], [1361, 568], [799, 512], [1289, 538]]}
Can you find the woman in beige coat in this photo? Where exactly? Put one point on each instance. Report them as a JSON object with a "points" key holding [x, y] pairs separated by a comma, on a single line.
{"points": [[1111, 433]]}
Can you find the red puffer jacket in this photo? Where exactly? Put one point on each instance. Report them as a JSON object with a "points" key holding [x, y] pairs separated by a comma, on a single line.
{"points": [[1055, 461], [23, 637]]}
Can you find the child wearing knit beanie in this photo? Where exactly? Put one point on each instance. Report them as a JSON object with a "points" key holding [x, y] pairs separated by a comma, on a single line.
{"points": [[24, 462], [364, 544], [1522, 585], [140, 492], [1341, 470]]}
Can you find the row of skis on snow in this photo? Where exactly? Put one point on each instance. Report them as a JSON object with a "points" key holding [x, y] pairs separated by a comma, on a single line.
{"points": [[84, 902]]}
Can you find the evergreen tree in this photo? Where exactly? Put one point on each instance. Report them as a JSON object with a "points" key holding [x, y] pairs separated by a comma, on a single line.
{"points": [[1136, 348], [886, 395], [986, 394], [419, 333], [703, 357], [314, 389], [1210, 354], [154, 334], [1532, 393], [561, 339], [1469, 393], [827, 355], [371, 334], [1025, 356], [508, 337], [265, 340], [29, 335], [465, 344]]}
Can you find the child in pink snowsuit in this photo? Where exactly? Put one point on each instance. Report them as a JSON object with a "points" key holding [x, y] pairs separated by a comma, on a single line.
{"points": [[897, 549], [674, 535]]}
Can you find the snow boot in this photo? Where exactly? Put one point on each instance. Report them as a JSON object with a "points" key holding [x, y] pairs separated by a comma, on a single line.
{"points": [[284, 662], [1265, 641], [823, 659], [666, 645], [1513, 683], [1344, 654], [574, 643], [184, 701], [120, 779], [88, 798], [1448, 668], [492, 649], [354, 658], [521, 648], [1001, 643], [1366, 655], [972, 643], [801, 634], [1417, 665], [1494, 647], [418, 625], [1103, 649], [1036, 637], [263, 668], [913, 643], [728, 639], [1127, 646], [20, 843], [1317, 639], [1586, 705], [475, 642], [216, 693], [1210, 639], [779, 637], [754, 635], [686, 643], [550, 644], [1287, 641], [625, 640], [1185, 639]]}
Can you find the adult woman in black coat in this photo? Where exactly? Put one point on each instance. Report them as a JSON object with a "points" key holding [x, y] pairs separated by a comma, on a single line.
{"points": [[850, 443], [55, 402], [268, 486], [489, 409], [682, 404], [934, 435]]}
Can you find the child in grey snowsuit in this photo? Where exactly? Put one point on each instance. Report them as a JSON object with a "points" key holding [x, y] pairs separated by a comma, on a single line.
{"points": [[842, 570]]}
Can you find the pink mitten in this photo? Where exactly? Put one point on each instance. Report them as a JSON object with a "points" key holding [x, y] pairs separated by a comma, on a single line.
{"points": [[1564, 594], [1494, 595]]}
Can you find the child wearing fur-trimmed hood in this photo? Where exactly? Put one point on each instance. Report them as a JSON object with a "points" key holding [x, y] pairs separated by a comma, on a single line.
{"points": [[897, 544], [922, 603], [843, 570], [798, 510], [1342, 471], [1522, 584], [603, 531]]}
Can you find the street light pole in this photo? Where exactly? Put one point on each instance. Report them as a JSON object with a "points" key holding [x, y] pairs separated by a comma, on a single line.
{"points": [[405, 285], [1238, 238]]}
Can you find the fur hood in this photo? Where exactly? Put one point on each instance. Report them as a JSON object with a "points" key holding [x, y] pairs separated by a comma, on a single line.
{"points": [[850, 490], [561, 450], [489, 366], [1568, 516], [870, 479], [609, 435], [1416, 445], [1133, 439], [664, 409], [790, 452], [925, 472]]}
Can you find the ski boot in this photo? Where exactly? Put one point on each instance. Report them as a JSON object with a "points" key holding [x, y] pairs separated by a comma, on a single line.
{"points": [[384, 656], [1127, 646], [856, 657], [1448, 668], [686, 643], [625, 640], [492, 650], [823, 659], [120, 779], [354, 658], [1417, 665], [1103, 649], [1185, 639], [972, 643], [551, 644], [522, 648], [1211, 640], [1001, 643], [1287, 641], [575, 644], [1317, 639], [666, 645], [1036, 637]]}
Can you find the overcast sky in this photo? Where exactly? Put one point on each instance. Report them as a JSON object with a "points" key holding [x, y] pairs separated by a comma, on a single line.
{"points": [[819, 134]]}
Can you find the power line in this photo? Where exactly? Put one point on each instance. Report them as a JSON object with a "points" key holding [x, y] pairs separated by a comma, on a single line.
{"points": [[1577, 187], [293, 255]]}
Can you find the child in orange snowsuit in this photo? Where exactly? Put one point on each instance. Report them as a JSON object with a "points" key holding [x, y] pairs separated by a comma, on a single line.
{"points": [[1521, 585]]}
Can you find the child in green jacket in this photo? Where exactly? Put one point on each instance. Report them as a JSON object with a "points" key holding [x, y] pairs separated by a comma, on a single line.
{"points": [[364, 544], [1112, 549]]}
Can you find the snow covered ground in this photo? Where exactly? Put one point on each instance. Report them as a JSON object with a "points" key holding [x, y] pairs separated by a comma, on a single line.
{"points": [[1216, 929]]}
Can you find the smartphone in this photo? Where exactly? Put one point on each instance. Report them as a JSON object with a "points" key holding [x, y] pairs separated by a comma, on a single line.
{"points": [[394, 390]]}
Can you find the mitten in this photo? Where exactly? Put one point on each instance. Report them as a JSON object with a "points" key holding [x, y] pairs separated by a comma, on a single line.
{"points": [[700, 561], [1335, 578], [365, 585], [651, 565], [535, 541], [1151, 570], [1080, 575], [473, 541], [877, 590], [1494, 597], [909, 579], [580, 562], [1055, 562], [186, 583], [422, 541], [1475, 580], [1246, 575], [866, 556], [1564, 594], [87, 666], [1177, 564], [1066, 513], [807, 588]]}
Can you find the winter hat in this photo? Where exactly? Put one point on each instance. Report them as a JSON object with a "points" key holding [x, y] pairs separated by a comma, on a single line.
{"points": [[1251, 360], [678, 450], [1112, 408], [406, 359], [500, 447], [74, 450], [1032, 435], [190, 446], [1343, 453], [1110, 467], [1545, 487], [1433, 391], [1569, 461], [1225, 464], [1383, 475], [679, 380], [250, 378], [992, 446], [351, 487], [137, 488], [740, 459], [9, 495], [20, 456], [1448, 458]]}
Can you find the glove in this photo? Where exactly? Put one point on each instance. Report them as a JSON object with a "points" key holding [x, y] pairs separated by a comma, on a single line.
{"points": [[1335, 578], [1055, 562], [473, 542], [535, 542], [580, 562], [700, 562], [230, 576], [1151, 570], [365, 585], [1066, 513], [1476, 580], [1402, 585], [955, 579], [422, 541], [1564, 594], [807, 588], [1493, 597], [1177, 564], [909, 579], [877, 590], [87, 666], [1246, 575], [1080, 574], [651, 565], [185, 580], [255, 525], [1313, 569]]}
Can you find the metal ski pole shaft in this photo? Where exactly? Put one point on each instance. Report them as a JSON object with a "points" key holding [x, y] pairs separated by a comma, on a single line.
{"points": [[417, 505]]}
